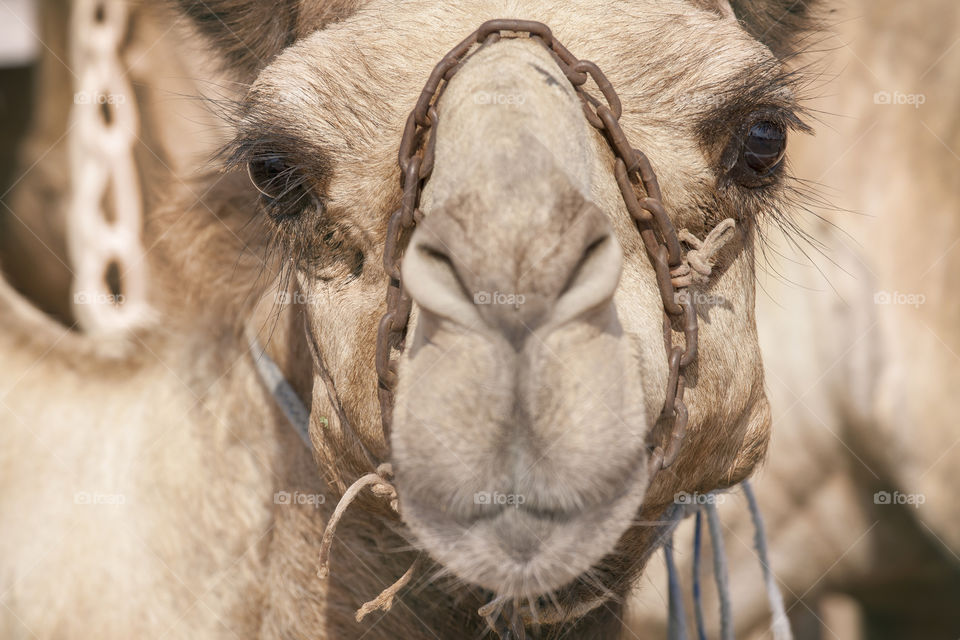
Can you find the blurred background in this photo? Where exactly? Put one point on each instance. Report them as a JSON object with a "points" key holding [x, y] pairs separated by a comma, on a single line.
{"points": [[857, 301]]}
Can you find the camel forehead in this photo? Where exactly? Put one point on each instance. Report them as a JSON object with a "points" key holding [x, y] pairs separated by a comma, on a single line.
{"points": [[370, 67], [338, 98]]}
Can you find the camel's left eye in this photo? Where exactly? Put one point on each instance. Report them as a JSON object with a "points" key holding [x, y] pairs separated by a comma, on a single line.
{"points": [[280, 184], [764, 147]]}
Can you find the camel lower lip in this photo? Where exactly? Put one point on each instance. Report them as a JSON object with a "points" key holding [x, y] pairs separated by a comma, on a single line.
{"points": [[550, 515], [521, 551], [517, 553]]}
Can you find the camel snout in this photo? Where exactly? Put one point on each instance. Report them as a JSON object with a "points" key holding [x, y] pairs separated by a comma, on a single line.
{"points": [[519, 426]]}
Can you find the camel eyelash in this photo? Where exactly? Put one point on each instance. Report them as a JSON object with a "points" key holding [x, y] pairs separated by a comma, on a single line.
{"points": [[284, 183], [284, 192]]}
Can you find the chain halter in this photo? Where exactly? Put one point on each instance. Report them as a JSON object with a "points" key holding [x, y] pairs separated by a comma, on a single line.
{"points": [[675, 272]]}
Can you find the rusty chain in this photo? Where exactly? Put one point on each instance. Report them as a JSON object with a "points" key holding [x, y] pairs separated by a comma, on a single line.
{"points": [[631, 168]]}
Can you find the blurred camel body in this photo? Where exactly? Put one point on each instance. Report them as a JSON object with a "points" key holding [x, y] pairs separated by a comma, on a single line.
{"points": [[177, 134], [862, 353]]}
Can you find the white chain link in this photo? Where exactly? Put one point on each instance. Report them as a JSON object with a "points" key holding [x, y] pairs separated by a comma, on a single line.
{"points": [[105, 214]]}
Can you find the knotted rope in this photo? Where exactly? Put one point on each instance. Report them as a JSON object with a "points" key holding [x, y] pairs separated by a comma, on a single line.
{"points": [[384, 601], [380, 486], [697, 265]]}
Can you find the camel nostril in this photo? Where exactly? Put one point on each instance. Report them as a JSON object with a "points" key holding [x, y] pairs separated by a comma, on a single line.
{"points": [[442, 266], [433, 280], [593, 279], [556, 279], [587, 261]]}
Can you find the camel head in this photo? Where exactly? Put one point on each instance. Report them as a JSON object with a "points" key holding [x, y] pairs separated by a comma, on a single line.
{"points": [[534, 366]]}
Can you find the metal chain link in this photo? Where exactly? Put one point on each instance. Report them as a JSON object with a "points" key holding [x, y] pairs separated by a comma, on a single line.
{"points": [[631, 169]]}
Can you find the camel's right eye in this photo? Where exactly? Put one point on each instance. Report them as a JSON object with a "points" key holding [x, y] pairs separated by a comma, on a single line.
{"points": [[280, 184], [764, 146]]}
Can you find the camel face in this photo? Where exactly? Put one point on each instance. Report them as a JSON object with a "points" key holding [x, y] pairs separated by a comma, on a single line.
{"points": [[534, 369]]}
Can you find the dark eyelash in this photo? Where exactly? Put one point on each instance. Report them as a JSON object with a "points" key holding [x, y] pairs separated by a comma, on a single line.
{"points": [[278, 209], [767, 89], [244, 149]]}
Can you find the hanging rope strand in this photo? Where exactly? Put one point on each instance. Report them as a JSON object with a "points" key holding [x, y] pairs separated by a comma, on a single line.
{"points": [[677, 622], [781, 624], [720, 572], [697, 595]]}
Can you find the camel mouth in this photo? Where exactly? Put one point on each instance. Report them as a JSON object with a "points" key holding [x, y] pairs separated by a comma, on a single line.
{"points": [[520, 474], [519, 550]]}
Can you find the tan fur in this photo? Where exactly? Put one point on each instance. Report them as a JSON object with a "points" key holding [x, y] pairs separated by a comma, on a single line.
{"points": [[863, 394], [175, 420]]}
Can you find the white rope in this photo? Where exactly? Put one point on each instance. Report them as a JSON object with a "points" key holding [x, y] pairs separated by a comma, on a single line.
{"points": [[781, 624], [677, 618], [720, 572], [697, 592], [104, 219]]}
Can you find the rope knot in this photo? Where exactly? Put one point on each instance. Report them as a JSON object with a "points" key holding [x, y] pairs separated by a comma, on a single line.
{"points": [[697, 265], [385, 488]]}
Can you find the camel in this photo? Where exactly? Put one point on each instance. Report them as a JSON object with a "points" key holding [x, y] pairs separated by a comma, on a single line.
{"points": [[162, 475], [858, 485]]}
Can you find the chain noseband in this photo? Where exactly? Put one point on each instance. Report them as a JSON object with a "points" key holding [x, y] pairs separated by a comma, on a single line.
{"points": [[631, 168]]}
